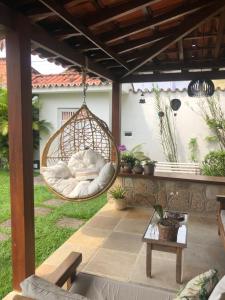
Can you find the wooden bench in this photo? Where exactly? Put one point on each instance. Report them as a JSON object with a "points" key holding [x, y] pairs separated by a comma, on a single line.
{"points": [[64, 273], [176, 167], [221, 217]]}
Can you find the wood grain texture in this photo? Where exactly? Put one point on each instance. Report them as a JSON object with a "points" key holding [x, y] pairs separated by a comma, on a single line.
{"points": [[116, 112], [20, 152]]}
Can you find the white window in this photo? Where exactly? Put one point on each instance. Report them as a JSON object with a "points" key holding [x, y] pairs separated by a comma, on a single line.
{"points": [[64, 114]]}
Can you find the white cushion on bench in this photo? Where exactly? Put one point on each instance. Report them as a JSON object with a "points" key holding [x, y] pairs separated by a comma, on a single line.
{"points": [[40, 289], [219, 291], [222, 214], [101, 288]]}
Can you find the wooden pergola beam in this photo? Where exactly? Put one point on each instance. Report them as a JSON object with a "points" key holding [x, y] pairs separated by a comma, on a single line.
{"points": [[181, 50], [106, 15], [18, 57], [116, 111], [173, 76], [74, 23], [44, 40], [178, 65], [169, 16], [184, 29]]}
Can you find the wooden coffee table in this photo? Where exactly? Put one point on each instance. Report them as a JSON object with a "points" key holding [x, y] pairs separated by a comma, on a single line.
{"points": [[151, 237]]}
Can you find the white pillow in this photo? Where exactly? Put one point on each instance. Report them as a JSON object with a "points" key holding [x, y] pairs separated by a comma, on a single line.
{"points": [[86, 174], [81, 190], [105, 175], [59, 170], [40, 289], [90, 157], [100, 162], [65, 186], [93, 188]]}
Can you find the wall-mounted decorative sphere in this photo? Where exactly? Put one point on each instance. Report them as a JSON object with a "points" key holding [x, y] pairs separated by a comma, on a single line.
{"points": [[201, 88], [161, 114], [175, 104]]}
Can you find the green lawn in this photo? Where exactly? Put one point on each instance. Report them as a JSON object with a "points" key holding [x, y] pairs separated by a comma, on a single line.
{"points": [[47, 236]]}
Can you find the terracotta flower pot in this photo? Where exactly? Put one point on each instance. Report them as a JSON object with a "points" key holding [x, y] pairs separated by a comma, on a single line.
{"points": [[120, 204]]}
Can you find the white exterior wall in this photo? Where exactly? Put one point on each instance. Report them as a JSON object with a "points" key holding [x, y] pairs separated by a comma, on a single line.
{"points": [[141, 119], [98, 100]]}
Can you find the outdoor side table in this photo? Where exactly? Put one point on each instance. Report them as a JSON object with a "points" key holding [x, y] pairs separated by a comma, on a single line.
{"points": [[151, 237]]}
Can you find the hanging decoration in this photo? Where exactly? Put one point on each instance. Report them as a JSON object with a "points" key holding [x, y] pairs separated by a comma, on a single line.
{"points": [[161, 114], [175, 104], [80, 161], [201, 88], [142, 99]]}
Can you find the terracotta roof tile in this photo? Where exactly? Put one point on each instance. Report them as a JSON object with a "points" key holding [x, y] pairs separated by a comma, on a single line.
{"points": [[67, 79]]}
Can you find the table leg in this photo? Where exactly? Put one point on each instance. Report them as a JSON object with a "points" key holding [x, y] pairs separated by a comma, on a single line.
{"points": [[179, 265], [148, 260]]}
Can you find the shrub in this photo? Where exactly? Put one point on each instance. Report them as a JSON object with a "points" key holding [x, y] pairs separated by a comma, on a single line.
{"points": [[214, 164], [118, 192]]}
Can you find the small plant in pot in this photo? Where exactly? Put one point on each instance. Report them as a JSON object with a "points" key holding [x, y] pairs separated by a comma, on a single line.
{"points": [[127, 162], [149, 167], [168, 226], [138, 169], [118, 194]]}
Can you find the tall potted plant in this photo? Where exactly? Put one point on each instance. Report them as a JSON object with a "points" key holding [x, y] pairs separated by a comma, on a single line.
{"points": [[118, 194], [149, 167]]}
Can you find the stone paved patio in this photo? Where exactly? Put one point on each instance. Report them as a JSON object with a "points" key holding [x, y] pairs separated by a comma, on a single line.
{"points": [[3, 237], [41, 211], [6, 224], [111, 244]]}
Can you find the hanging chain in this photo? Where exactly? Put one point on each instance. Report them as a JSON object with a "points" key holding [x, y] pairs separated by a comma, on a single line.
{"points": [[84, 80]]}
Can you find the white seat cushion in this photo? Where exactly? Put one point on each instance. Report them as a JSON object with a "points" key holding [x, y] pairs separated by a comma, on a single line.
{"points": [[40, 289], [100, 288], [222, 214], [219, 291], [59, 170]]}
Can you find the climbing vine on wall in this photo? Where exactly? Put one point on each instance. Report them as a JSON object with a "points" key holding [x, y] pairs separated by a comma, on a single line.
{"points": [[167, 126]]}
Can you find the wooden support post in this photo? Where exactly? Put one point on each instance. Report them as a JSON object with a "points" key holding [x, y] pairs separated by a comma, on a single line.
{"points": [[116, 112], [20, 152]]}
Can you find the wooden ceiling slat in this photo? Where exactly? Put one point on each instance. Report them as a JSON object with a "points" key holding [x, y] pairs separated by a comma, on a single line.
{"points": [[220, 35], [73, 22], [109, 14], [45, 41], [185, 28], [169, 16], [181, 50]]}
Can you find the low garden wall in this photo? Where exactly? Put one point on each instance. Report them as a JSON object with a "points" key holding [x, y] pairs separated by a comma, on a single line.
{"points": [[175, 192]]}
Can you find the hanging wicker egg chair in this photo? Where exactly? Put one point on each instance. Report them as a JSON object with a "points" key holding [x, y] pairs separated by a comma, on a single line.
{"points": [[84, 131]]}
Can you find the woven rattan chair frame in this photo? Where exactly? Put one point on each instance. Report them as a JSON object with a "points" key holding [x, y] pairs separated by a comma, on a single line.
{"points": [[83, 130]]}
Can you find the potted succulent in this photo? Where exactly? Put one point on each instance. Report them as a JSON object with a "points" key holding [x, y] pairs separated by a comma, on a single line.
{"points": [[118, 194], [127, 162], [149, 167], [138, 169], [168, 226]]}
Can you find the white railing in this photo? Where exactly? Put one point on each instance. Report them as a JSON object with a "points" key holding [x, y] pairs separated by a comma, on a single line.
{"points": [[177, 167]]}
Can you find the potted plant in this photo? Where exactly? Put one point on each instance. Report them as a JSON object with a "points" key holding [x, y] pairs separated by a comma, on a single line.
{"points": [[138, 169], [149, 167], [118, 194], [168, 226], [127, 162]]}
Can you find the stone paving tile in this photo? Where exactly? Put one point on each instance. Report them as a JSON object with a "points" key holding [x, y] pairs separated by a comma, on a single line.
{"points": [[69, 223], [41, 211], [3, 237], [55, 202], [6, 224]]}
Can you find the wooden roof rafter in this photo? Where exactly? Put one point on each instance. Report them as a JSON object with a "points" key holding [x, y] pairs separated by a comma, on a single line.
{"points": [[184, 29], [74, 23]]}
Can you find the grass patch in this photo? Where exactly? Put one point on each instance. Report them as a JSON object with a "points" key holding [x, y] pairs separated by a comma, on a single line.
{"points": [[48, 237]]}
